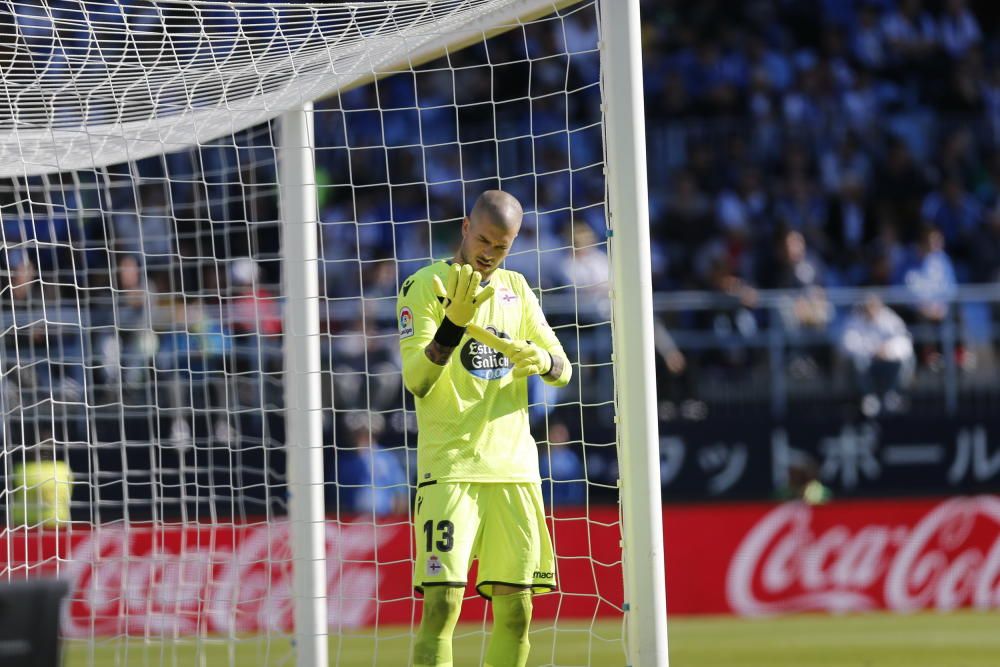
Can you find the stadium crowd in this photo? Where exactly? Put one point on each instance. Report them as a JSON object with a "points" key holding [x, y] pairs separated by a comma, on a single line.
{"points": [[812, 145], [858, 124], [794, 144]]}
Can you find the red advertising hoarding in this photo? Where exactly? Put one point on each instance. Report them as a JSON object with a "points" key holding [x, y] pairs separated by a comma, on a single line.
{"points": [[748, 559], [169, 580], [900, 555]]}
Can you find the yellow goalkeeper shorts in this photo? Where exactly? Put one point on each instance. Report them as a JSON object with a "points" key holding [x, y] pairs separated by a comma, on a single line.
{"points": [[503, 525]]}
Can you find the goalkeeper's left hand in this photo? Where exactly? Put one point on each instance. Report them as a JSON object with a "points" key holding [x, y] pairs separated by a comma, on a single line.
{"points": [[462, 296], [528, 358]]}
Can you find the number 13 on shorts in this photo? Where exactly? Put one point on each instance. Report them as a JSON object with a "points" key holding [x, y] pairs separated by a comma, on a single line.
{"points": [[445, 529]]}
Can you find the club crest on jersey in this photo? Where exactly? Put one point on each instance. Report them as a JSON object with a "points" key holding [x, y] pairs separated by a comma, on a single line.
{"points": [[482, 360], [405, 322], [506, 297], [434, 566]]}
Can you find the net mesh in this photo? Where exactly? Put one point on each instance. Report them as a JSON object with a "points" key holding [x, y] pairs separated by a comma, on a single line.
{"points": [[141, 340], [91, 83]]}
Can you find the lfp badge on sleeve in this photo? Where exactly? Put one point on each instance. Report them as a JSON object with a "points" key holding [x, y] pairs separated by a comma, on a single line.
{"points": [[405, 322]]}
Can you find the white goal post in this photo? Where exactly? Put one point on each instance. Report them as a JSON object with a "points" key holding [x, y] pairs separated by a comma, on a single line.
{"points": [[628, 208], [97, 94]]}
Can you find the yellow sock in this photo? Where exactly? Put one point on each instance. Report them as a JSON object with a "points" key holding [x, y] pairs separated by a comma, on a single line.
{"points": [[509, 641], [442, 605]]}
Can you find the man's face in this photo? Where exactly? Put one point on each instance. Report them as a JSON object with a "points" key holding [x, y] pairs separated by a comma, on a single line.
{"points": [[871, 308], [795, 247], [485, 245]]}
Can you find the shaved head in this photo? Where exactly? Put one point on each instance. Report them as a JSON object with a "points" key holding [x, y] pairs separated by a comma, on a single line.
{"points": [[497, 208], [489, 231]]}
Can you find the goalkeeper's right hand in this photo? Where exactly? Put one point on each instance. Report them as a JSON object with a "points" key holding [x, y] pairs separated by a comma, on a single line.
{"points": [[462, 296], [528, 358]]}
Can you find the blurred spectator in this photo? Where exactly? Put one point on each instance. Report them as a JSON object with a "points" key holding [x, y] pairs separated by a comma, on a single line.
{"points": [[685, 223], [671, 355], [723, 266], [964, 93], [802, 207], [586, 266], [794, 268], [954, 212], [129, 346], [851, 224], [868, 41], [378, 279], [587, 269], [958, 156], [531, 257], [372, 479], [899, 183], [958, 28], [876, 341], [189, 361], [885, 257], [675, 378], [846, 161], [985, 251], [254, 308], [24, 283], [910, 33], [364, 359], [747, 206], [803, 481], [716, 77], [44, 358], [930, 277], [991, 103], [563, 478], [253, 322], [130, 295], [341, 269]]}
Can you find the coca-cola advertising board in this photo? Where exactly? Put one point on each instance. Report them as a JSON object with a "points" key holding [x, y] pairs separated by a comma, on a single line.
{"points": [[170, 580], [899, 555], [747, 559]]}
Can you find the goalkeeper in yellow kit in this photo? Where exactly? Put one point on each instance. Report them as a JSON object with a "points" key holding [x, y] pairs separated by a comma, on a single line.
{"points": [[470, 335]]}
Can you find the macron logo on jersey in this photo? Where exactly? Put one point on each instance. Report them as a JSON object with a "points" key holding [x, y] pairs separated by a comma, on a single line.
{"points": [[483, 361]]}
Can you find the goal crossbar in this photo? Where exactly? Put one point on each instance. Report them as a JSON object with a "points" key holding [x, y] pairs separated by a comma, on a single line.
{"points": [[74, 119]]}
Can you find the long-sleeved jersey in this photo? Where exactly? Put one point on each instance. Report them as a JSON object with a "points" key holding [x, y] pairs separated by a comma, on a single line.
{"points": [[473, 420]]}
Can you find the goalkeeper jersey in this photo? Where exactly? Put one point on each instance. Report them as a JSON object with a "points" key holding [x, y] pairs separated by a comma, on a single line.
{"points": [[472, 426]]}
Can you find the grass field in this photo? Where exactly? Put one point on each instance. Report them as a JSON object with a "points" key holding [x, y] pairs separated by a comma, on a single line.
{"points": [[965, 639]]}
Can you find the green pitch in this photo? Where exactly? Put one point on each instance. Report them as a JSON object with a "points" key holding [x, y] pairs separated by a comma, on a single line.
{"points": [[965, 639], [962, 639]]}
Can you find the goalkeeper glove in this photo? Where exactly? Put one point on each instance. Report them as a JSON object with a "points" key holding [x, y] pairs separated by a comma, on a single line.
{"points": [[462, 296], [528, 358]]}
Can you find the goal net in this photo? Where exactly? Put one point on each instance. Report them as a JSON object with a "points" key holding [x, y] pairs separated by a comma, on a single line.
{"points": [[145, 317]]}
